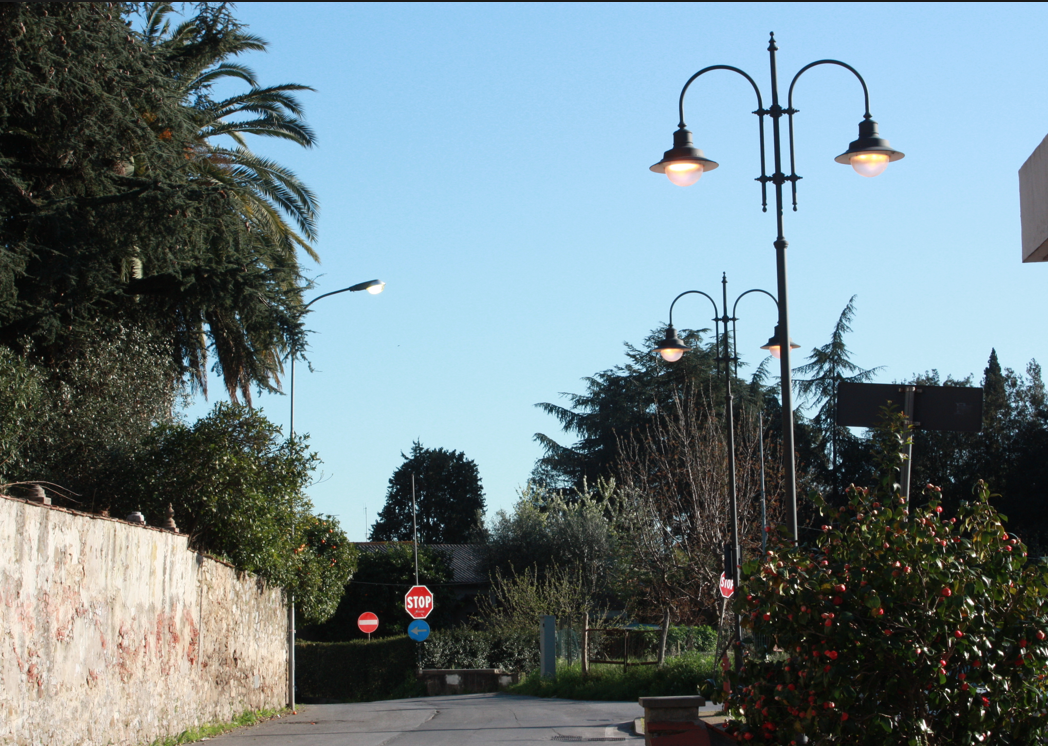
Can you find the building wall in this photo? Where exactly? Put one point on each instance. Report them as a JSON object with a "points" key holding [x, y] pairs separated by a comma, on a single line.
{"points": [[1033, 204], [117, 633]]}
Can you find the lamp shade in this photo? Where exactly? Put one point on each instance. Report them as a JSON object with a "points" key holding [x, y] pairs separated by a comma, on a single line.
{"points": [[671, 348], [774, 345], [871, 153], [683, 163]]}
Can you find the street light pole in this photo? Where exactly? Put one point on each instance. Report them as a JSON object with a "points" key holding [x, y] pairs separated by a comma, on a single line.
{"points": [[684, 164], [672, 349], [374, 287]]}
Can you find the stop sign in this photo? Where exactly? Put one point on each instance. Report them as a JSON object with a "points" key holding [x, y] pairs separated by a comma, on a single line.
{"points": [[367, 622], [727, 586], [418, 602]]}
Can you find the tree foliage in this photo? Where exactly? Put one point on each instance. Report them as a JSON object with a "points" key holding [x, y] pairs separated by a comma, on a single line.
{"points": [[237, 490], [817, 382], [74, 424], [622, 401], [117, 210], [384, 574], [898, 626], [550, 533], [448, 494], [677, 509]]}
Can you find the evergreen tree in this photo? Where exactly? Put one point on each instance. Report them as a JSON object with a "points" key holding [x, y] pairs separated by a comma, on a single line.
{"points": [[817, 383], [619, 403], [108, 215], [448, 495]]}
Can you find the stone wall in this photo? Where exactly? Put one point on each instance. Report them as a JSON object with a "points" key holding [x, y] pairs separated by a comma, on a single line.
{"points": [[113, 633]]}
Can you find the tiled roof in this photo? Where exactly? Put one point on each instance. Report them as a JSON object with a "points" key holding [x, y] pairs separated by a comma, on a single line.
{"points": [[466, 560]]}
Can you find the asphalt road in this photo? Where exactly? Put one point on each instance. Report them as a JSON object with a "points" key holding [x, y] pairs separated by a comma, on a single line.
{"points": [[462, 720]]}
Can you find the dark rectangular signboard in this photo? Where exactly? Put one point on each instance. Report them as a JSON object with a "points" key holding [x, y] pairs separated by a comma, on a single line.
{"points": [[956, 408]]}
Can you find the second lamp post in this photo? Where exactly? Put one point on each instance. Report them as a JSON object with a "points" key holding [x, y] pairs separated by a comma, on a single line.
{"points": [[672, 349]]}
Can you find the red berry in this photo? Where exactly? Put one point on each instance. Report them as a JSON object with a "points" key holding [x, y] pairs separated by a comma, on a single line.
{"points": [[958, 634], [947, 592], [1040, 635]]}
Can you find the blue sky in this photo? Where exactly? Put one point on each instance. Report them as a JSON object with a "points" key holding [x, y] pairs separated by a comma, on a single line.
{"points": [[490, 163]]}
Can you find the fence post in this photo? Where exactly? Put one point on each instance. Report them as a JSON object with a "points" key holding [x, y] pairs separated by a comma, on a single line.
{"points": [[548, 647], [585, 644]]}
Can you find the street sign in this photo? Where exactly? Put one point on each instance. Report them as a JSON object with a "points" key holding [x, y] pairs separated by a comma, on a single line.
{"points": [[418, 630], [953, 408], [727, 586], [418, 602], [367, 622]]}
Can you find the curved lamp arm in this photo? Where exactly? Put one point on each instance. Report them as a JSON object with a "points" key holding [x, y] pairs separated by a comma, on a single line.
{"points": [[760, 117], [372, 286], [693, 292], [734, 307], [846, 66]]}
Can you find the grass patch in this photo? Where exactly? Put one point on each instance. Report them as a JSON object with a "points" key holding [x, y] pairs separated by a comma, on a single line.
{"points": [[209, 730], [691, 673]]}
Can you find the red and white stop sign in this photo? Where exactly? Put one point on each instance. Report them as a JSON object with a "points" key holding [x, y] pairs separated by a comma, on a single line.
{"points": [[418, 602], [367, 622], [727, 586]]}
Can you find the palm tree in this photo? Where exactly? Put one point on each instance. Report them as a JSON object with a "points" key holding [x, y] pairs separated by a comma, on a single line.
{"points": [[277, 211]]}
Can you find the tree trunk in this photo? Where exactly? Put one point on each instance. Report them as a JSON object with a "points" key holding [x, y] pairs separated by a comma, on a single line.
{"points": [[665, 635]]}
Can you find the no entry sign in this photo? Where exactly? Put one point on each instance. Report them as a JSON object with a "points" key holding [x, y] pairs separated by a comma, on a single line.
{"points": [[367, 622], [418, 602], [727, 586]]}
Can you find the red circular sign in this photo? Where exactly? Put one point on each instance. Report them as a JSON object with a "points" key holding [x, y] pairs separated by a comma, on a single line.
{"points": [[367, 622], [727, 586], [418, 602]]}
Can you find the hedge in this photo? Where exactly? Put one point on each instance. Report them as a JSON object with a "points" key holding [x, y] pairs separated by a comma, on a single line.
{"points": [[356, 671], [366, 671]]}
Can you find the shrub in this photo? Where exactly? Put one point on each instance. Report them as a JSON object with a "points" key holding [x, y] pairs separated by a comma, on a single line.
{"points": [[693, 673], [357, 671], [463, 648], [237, 490], [898, 626]]}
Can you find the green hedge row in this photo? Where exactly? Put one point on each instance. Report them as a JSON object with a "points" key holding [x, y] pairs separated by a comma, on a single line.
{"points": [[356, 671], [366, 671]]}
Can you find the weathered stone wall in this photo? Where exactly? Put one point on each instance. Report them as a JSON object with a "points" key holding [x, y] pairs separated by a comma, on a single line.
{"points": [[112, 633]]}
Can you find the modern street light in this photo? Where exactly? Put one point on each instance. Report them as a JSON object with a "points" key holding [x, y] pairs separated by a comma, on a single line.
{"points": [[672, 349], [684, 164], [374, 287]]}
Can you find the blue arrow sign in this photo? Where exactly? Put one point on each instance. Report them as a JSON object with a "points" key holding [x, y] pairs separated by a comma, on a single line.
{"points": [[418, 630]]}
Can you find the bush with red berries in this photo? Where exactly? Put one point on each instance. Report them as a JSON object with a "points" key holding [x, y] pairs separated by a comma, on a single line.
{"points": [[895, 626]]}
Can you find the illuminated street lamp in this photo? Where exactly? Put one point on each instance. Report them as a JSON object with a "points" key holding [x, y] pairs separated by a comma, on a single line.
{"points": [[374, 287], [672, 349], [684, 164]]}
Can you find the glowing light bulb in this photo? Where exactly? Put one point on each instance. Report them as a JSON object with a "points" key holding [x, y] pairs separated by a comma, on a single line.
{"points": [[376, 289], [776, 351], [869, 164], [684, 173], [671, 355]]}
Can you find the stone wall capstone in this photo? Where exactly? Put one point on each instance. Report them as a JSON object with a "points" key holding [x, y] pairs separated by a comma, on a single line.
{"points": [[112, 633]]}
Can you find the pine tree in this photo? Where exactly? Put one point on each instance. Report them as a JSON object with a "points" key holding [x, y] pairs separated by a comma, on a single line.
{"points": [[448, 495], [817, 382]]}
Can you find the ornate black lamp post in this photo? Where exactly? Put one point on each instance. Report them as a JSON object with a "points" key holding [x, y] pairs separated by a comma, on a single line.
{"points": [[869, 155], [374, 287], [672, 349]]}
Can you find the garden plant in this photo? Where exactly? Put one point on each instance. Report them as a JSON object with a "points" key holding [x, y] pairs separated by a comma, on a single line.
{"points": [[899, 624]]}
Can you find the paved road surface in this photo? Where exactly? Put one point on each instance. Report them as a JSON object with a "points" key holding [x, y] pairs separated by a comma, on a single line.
{"points": [[463, 720]]}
